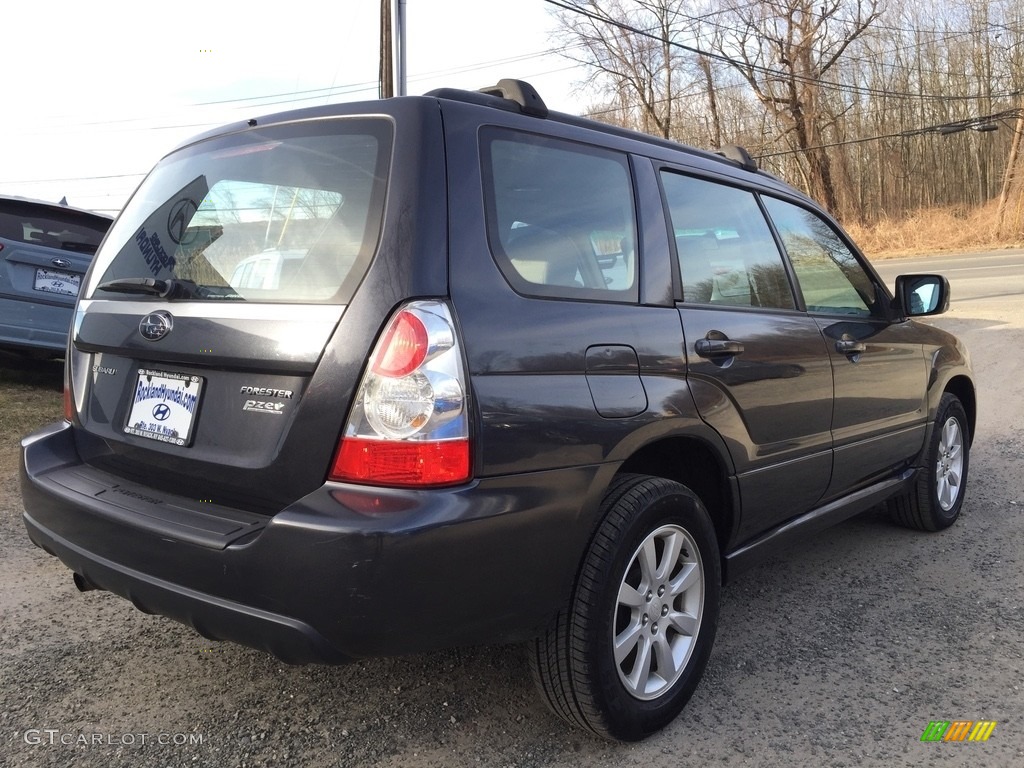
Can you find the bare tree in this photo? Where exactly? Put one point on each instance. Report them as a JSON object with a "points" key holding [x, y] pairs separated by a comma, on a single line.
{"points": [[784, 49], [869, 113], [629, 48], [704, 64]]}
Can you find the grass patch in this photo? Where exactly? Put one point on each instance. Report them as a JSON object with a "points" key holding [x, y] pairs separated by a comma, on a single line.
{"points": [[935, 230], [30, 396]]}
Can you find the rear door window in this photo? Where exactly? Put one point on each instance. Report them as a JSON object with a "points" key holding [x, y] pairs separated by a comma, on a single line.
{"points": [[727, 255], [288, 213], [560, 217]]}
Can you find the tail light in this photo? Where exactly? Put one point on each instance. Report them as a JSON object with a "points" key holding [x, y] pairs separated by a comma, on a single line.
{"points": [[409, 424], [69, 409], [69, 395]]}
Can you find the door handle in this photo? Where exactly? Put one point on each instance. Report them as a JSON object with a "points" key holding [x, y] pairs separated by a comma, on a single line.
{"points": [[850, 346], [718, 348]]}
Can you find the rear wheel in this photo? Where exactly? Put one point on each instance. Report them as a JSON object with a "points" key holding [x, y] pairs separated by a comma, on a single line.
{"points": [[936, 499], [626, 653]]}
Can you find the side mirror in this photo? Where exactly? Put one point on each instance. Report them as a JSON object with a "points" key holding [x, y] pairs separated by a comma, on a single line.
{"points": [[922, 295]]}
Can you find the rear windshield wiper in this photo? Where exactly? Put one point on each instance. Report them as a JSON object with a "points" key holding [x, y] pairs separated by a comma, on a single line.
{"points": [[151, 286]]}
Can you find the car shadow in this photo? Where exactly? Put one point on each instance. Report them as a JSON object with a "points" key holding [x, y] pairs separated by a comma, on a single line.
{"points": [[24, 368]]}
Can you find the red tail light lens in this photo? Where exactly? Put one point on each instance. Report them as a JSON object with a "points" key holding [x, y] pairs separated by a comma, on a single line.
{"points": [[384, 462], [69, 408], [409, 424], [405, 346]]}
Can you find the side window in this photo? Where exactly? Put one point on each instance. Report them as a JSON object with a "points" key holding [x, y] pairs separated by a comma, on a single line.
{"points": [[727, 255], [830, 277], [560, 217]]}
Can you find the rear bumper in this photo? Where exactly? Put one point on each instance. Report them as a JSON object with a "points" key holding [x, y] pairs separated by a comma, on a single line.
{"points": [[291, 640], [35, 325], [346, 572]]}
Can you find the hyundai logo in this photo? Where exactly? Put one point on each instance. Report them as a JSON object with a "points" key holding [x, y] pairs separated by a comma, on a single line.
{"points": [[60, 263], [156, 325]]}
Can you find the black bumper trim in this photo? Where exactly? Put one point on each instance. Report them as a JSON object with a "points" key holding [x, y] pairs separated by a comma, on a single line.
{"points": [[215, 618], [207, 525]]}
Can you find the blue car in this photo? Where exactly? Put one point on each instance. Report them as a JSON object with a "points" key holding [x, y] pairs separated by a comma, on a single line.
{"points": [[45, 249]]}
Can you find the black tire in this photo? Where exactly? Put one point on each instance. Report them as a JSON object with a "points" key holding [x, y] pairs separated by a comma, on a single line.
{"points": [[574, 663], [934, 503]]}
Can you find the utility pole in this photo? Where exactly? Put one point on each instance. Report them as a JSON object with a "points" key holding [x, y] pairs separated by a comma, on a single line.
{"points": [[386, 75], [1012, 195], [399, 47], [391, 73]]}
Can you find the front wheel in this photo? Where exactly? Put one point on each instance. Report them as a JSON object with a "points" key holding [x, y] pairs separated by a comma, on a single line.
{"points": [[935, 501], [625, 654]]}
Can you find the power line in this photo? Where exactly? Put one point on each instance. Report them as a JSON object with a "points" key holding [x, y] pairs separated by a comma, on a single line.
{"points": [[292, 97], [940, 36], [74, 178], [305, 95], [940, 129], [314, 93], [847, 88]]}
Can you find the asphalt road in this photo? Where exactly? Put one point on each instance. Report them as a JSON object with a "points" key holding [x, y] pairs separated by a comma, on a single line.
{"points": [[839, 652], [973, 277]]}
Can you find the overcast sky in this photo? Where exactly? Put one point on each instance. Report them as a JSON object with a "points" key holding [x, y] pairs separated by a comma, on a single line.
{"points": [[105, 88]]}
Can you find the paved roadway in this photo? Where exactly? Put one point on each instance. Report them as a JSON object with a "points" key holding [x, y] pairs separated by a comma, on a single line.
{"points": [[973, 277]]}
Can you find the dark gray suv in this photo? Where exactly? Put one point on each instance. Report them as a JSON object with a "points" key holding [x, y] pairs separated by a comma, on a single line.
{"points": [[387, 377]]}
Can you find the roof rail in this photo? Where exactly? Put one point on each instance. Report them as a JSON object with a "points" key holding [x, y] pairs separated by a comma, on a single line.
{"points": [[738, 155], [519, 96], [511, 95]]}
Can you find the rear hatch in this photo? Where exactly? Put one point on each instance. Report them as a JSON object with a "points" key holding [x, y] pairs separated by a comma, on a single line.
{"points": [[45, 250], [198, 344]]}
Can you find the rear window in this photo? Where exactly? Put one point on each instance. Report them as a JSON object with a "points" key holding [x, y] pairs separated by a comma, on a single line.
{"points": [[70, 230], [287, 213]]}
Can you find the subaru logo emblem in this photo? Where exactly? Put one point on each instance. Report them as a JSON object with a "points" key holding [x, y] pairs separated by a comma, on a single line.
{"points": [[60, 263], [156, 325]]}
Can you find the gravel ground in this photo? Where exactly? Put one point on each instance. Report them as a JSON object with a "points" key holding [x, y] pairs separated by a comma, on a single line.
{"points": [[836, 653]]}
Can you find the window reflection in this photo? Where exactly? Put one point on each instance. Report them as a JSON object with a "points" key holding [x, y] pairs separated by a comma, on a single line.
{"points": [[727, 255], [830, 277]]}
